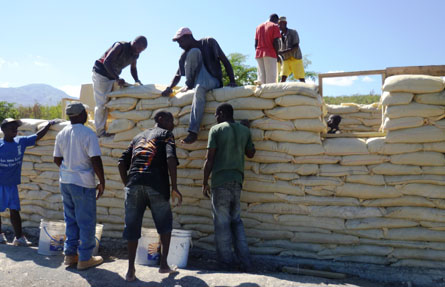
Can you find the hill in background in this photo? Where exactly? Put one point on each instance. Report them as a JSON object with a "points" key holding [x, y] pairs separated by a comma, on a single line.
{"points": [[28, 95]]}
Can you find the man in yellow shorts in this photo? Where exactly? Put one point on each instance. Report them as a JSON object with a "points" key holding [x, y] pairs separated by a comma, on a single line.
{"points": [[289, 54]]}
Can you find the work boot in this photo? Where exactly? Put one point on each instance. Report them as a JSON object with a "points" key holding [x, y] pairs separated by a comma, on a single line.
{"points": [[22, 241], [71, 259], [94, 261]]}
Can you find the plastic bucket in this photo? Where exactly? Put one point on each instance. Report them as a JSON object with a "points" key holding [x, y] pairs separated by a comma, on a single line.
{"points": [[99, 228], [179, 248], [149, 245], [52, 237]]}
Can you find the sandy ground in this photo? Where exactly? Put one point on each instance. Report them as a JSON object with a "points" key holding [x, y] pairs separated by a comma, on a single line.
{"points": [[23, 266]]}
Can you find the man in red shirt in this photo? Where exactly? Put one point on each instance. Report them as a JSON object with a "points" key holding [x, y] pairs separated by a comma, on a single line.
{"points": [[267, 38]]}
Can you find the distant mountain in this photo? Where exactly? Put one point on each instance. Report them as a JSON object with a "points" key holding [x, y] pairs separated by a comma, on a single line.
{"points": [[28, 95]]}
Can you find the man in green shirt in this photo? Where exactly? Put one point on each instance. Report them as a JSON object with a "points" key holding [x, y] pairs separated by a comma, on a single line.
{"points": [[228, 143]]}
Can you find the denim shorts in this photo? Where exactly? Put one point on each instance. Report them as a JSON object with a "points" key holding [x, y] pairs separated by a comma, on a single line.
{"points": [[9, 197], [137, 199]]}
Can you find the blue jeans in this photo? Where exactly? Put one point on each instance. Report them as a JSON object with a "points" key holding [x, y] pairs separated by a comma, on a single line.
{"points": [[197, 76], [229, 227], [79, 210]]}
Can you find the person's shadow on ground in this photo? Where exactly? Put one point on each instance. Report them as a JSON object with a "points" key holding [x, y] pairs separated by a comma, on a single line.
{"points": [[30, 253]]}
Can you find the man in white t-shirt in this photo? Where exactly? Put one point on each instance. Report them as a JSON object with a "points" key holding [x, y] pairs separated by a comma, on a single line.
{"points": [[77, 153]]}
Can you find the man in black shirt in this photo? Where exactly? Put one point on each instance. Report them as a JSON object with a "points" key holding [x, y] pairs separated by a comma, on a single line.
{"points": [[106, 71], [201, 65], [150, 158]]}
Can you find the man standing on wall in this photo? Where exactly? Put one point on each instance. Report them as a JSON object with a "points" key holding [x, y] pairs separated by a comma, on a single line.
{"points": [[106, 71], [201, 65], [227, 144], [77, 153], [290, 53], [267, 36], [12, 149], [151, 157]]}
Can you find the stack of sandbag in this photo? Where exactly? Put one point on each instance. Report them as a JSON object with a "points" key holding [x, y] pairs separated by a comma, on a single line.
{"points": [[357, 117], [349, 199]]}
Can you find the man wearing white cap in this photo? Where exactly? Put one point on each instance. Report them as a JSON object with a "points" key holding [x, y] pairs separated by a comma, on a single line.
{"points": [[106, 71], [201, 65], [12, 148], [77, 153]]}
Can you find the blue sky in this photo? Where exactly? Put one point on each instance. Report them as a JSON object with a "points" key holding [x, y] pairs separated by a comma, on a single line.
{"points": [[57, 42]]}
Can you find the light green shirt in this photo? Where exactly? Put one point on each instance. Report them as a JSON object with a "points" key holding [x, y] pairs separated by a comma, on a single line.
{"points": [[230, 141]]}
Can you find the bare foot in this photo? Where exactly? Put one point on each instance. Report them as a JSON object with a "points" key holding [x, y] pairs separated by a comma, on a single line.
{"points": [[131, 275], [191, 138]]}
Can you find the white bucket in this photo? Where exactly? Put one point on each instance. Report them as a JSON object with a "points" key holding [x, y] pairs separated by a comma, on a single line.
{"points": [[148, 251], [52, 237], [179, 248], [99, 228]]}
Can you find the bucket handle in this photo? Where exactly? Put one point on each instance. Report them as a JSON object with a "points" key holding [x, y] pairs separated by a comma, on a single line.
{"points": [[50, 237]]}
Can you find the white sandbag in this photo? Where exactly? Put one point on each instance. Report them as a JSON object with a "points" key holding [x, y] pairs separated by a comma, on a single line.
{"points": [[182, 99], [345, 146], [395, 169], [317, 181], [416, 213], [285, 176], [317, 201], [425, 158], [309, 221], [275, 90], [393, 99], [271, 124], [271, 157], [122, 104], [378, 222], [346, 212], [321, 159], [366, 179], [338, 170], [439, 170], [278, 208], [127, 135], [437, 146], [259, 197], [333, 238], [399, 201], [225, 94], [302, 169], [45, 166], [249, 175], [425, 190], [173, 110], [269, 234], [251, 103], [405, 179], [414, 110], [378, 145], [247, 115], [40, 150], [298, 100], [364, 191], [153, 104], [431, 99], [355, 250], [278, 186], [32, 124], [131, 115], [402, 123], [342, 109], [363, 159], [190, 173], [120, 125], [372, 122], [423, 134], [300, 149], [294, 112], [142, 92], [413, 84], [146, 124], [439, 124], [293, 137], [415, 234], [312, 125]]}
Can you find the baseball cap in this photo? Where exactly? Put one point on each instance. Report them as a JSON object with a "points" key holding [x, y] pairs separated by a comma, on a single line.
{"points": [[181, 32], [75, 109], [11, 120], [282, 19]]}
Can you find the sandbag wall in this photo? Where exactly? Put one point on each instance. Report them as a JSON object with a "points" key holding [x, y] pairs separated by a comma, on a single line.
{"points": [[357, 117], [378, 200]]}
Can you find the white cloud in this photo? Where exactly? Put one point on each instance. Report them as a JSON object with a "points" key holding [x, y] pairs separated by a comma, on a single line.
{"points": [[71, 90], [2, 62], [367, 79], [41, 64], [4, 85], [339, 81]]}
